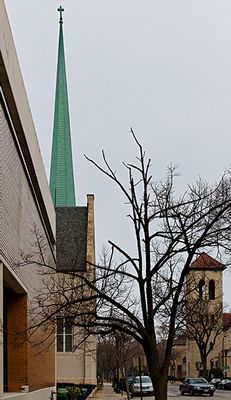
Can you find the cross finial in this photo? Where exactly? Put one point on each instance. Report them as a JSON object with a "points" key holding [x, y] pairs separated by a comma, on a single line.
{"points": [[61, 9]]}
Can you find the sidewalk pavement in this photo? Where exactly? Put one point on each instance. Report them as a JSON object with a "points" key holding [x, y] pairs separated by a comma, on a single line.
{"points": [[107, 393]]}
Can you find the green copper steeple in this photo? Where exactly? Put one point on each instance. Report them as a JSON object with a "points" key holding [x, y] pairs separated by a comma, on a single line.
{"points": [[61, 173]]}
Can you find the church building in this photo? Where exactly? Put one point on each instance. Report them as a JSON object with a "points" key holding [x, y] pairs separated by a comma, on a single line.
{"points": [[75, 236], [206, 323]]}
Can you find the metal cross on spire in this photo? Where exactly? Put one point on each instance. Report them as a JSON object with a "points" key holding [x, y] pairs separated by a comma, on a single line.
{"points": [[61, 9], [61, 174]]}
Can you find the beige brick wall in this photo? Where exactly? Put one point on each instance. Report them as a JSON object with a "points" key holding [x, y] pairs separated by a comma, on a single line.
{"points": [[90, 360], [225, 353], [19, 213], [90, 230], [178, 355]]}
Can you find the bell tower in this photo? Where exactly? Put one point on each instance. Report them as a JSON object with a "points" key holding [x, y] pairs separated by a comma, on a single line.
{"points": [[204, 315]]}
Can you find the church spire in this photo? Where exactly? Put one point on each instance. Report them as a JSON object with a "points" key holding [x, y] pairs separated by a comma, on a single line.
{"points": [[61, 173]]}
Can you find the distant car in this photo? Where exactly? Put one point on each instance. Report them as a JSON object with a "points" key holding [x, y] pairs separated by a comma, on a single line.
{"points": [[215, 382], [196, 386], [146, 385], [123, 383], [120, 384], [225, 384]]}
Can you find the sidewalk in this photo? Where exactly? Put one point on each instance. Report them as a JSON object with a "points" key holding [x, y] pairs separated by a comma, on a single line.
{"points": [[107, 393]]}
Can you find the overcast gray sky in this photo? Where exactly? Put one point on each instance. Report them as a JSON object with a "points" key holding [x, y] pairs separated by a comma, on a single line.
{"points": [[162, 67]]}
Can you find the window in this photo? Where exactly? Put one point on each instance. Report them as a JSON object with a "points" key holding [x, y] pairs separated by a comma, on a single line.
{"points": [[202, 289], [211, 289], [64, 334], [179, 368], [211, 345]]}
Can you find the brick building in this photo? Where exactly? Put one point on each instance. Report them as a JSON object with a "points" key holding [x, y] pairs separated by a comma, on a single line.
{"points": [[25, 202]]}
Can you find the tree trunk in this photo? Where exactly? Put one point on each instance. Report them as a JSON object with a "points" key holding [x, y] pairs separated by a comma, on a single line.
{"points": [[159, 378], [161, 388], [204, 366], [127, 389]]}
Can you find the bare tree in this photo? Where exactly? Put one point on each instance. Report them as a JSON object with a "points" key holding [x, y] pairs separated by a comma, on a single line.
{"points": [[134, 289]]}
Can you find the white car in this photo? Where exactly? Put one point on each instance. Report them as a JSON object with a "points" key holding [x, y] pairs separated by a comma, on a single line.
{"points": [[146, 385]]}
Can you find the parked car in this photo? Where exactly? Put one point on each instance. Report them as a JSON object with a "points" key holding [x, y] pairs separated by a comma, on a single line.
{"points": [[196, 386], [120, 384], [215, 382], [130, 379], [146, 385], [225, 384], [123, 383]]}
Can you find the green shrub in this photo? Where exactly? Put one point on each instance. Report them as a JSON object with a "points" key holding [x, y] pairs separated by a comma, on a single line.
{"points": [[74, 392]]}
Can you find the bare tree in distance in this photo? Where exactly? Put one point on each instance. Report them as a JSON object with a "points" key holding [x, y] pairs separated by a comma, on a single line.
{"points": [[134, 290], [115, 359]]}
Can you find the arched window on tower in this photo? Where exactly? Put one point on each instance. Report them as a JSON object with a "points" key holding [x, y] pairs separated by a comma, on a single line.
{"points": [[212, 319], [211, 289], [202, 289]]}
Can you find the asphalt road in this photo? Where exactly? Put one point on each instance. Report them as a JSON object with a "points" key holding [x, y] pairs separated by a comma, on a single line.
{"points": [[173, 391]]}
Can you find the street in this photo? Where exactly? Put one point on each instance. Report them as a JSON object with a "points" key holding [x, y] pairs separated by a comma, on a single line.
{"points": [[173, 391]]}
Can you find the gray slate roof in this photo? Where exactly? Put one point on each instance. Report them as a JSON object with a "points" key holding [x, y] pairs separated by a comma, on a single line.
{"points": [[71, 238]]}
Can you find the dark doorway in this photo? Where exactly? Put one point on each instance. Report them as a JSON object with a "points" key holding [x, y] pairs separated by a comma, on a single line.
{"points": [[7, 295], [5, 338]]}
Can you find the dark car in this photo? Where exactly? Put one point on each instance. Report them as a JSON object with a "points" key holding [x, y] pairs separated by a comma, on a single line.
{"points": [[215, 382], [225, 384], [196, 386]]}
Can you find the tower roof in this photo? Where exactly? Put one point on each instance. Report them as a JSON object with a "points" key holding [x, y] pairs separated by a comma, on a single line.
{"points": [[61, 172], [226, 321], [205, 262]]}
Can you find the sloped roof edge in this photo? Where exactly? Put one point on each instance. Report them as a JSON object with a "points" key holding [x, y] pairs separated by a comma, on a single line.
{"points": [[204, 261]]}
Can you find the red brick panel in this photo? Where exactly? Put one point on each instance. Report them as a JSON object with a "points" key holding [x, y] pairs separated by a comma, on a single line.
{"points": [[17, 345]]}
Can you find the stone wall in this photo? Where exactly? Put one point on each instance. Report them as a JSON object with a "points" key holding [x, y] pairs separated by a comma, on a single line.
{"points": [[79, 367]]}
